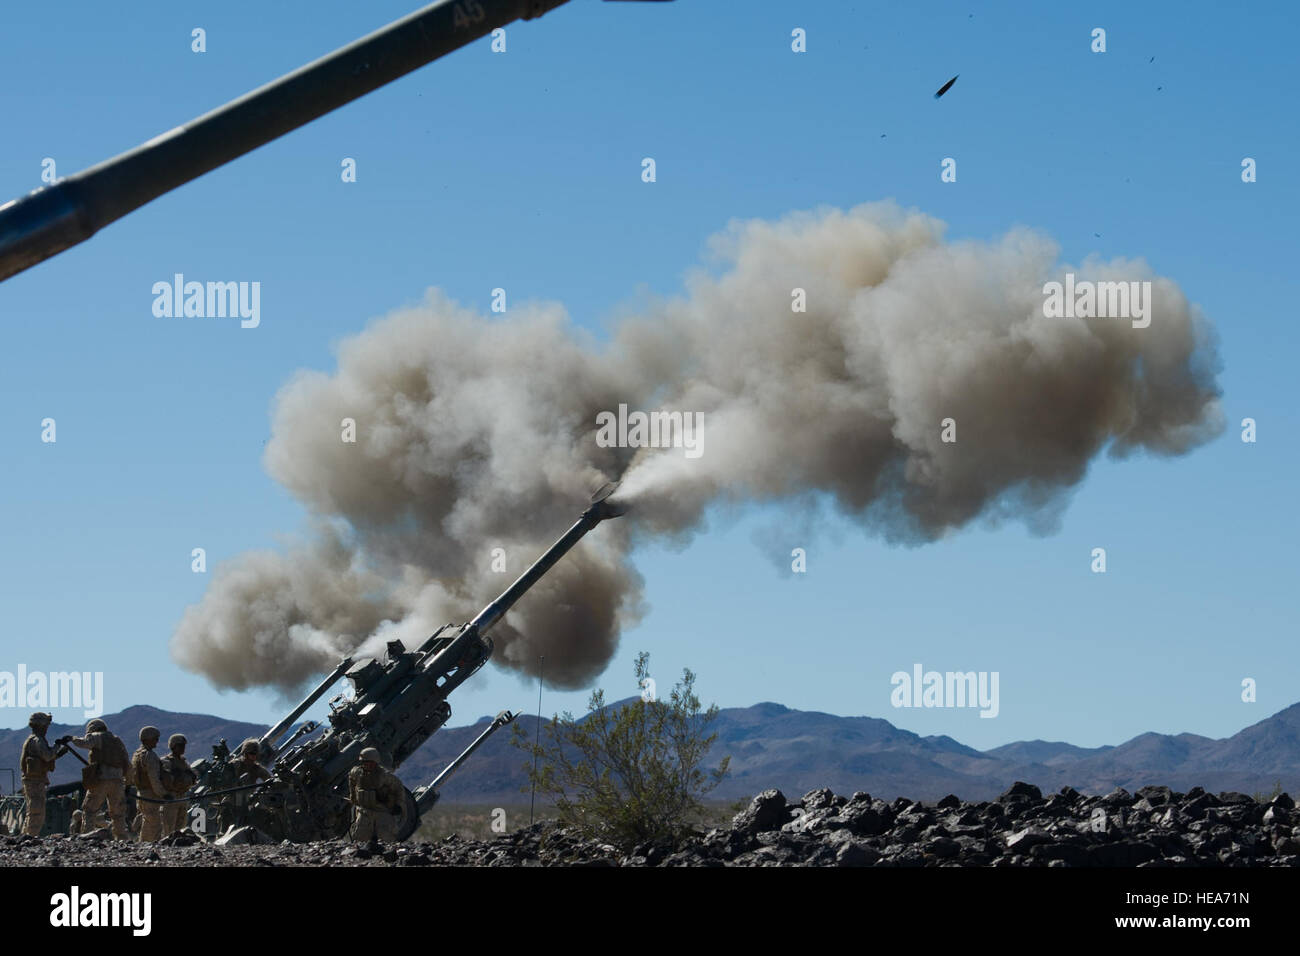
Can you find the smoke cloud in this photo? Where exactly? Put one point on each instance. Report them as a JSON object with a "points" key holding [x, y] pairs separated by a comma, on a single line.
{"points": [[474, 434]]}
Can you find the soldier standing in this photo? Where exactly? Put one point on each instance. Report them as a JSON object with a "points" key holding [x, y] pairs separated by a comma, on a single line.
{"points": [[377, 798], [177, 778], [105, 778], [147, 771], [37, 762], [75, 827]]}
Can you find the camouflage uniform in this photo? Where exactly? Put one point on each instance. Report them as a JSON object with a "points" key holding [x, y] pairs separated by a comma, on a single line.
{"points": [[108, 783], [246, 770], [177, 779], [378, 799], [37, 762], [75, 827], [148, 783], [250, 771]]}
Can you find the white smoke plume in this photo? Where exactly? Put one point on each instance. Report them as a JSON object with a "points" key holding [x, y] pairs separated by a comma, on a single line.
{"points": [[476, 433]]}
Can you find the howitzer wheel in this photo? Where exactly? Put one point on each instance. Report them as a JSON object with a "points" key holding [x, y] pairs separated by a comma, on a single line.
{"points": [[409, 821]]}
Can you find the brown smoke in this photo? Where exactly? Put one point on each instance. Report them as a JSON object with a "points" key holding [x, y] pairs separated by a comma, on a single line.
{"points": [[474, 434]]}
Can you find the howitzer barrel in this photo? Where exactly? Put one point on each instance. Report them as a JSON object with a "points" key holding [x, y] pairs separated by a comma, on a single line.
{"points": [[272, 735], [43, 224], [598, 512]]}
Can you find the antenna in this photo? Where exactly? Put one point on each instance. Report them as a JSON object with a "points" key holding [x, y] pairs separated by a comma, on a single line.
{"points": [[541, 665]]}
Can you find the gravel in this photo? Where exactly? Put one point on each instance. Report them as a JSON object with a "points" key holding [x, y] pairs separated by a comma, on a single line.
{"points": [[1153, 827]]}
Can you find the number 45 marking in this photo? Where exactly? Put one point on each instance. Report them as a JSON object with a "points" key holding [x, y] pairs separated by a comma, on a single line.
{"points": [[467, 14]]}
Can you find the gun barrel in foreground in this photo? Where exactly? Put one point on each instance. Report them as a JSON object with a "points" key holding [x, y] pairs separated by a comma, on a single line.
{"points": [[49, 220]]}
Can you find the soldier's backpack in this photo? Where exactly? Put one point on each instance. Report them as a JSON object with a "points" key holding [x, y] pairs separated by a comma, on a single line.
{"points": [[175, 778], [114, 755], [139, 774]]}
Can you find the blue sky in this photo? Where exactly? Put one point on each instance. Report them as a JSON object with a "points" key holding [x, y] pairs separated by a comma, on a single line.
{"points": [[522, 170]]}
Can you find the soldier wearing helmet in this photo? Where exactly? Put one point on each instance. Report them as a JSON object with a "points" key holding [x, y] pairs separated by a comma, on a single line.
{"points": [[378, 799], [105, 777], [37, 762], [177, 778], [147, 772], [245, 768], [249, 768]]}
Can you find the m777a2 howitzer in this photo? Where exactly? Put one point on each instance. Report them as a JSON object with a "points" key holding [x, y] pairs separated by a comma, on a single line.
{"points": [[59, 216], [398, 703]]}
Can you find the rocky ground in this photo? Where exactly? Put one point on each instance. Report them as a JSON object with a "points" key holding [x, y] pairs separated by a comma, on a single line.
{"points": [[1152, 827]]}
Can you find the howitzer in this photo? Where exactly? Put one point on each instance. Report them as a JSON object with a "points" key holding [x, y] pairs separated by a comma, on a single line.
{"points": [[72, 210], [397, 704]]}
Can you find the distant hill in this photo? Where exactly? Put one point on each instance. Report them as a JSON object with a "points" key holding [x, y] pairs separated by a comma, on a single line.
{"points": [[796, 751]]}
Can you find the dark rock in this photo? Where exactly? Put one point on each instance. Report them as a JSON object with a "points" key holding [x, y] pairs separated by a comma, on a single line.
{"points": [[767, 811], [1119, 797], [1233, 797], [1276, 816], [1021, 841], [1286, 845], [1059, 853], [862, 819], [904, 836], [1021, 791], [819, 799], [941, 846], [1156, 796], [855, 853], [1057, 806], [820, 820], [949, 801]]}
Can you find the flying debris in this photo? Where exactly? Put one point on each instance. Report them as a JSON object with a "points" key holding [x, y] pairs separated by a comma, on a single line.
{"points": [[946, 87]]}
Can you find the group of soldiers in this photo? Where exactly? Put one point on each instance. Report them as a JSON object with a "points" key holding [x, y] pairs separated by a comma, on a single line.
{"points": [[376, 795], [160, 783]]}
